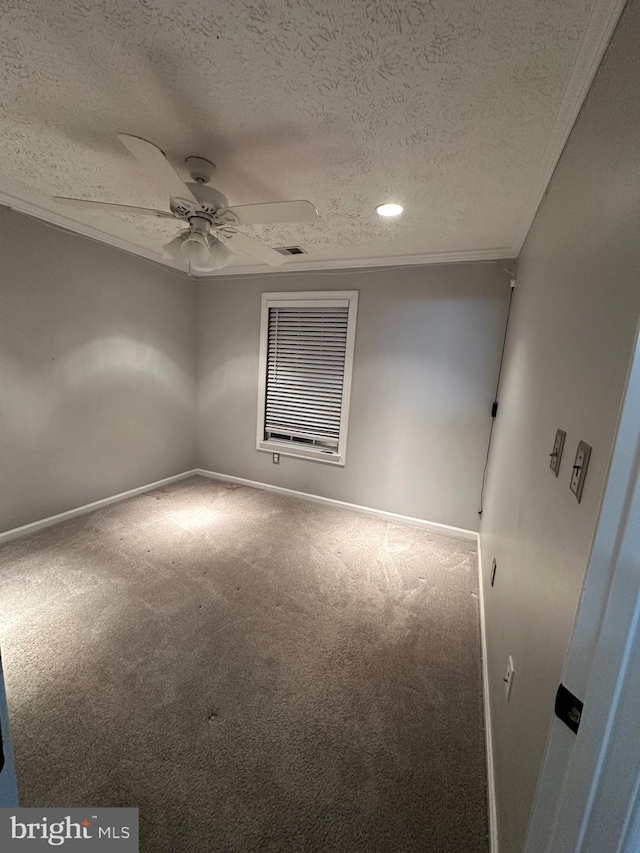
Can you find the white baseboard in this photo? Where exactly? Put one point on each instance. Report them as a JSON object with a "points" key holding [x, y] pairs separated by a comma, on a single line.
{"points": [[491, 785], [433, 526], [81, 510]]}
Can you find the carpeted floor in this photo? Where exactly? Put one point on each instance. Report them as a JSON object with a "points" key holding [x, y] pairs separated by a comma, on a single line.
{"points": [[254, 672]]}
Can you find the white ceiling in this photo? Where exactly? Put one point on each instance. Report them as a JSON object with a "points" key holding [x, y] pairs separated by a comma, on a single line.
{"points": [[456, 108]]}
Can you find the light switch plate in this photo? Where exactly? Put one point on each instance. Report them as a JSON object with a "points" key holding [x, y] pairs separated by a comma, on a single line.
{"points": [[579, 470], [556, 453], [508, 679]]}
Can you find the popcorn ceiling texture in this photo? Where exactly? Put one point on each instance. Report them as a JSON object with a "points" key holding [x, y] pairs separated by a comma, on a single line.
{"points": [[444, 106]]}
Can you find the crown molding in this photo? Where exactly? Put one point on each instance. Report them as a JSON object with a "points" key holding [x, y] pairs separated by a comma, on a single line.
{"points": [[71, 225], [603, 21], [59, 221], [465, 257]]}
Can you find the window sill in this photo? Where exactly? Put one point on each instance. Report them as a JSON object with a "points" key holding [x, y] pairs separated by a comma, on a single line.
{"points": [[312, 454]]}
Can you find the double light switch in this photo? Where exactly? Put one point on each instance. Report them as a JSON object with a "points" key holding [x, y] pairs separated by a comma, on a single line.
{"points": [[579, 468]]}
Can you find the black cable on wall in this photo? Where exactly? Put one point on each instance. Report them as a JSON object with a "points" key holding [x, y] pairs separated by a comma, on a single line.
{"points": [[494, 407]]}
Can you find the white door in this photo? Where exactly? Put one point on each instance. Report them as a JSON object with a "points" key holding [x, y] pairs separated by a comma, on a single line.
{"points": [[8, 786]]}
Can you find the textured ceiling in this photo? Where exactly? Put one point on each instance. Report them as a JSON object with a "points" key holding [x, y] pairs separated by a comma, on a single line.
{"points": [[444, 105]]}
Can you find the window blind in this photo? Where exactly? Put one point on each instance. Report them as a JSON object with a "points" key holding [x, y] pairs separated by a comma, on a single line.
{"points": [[306, 353]]}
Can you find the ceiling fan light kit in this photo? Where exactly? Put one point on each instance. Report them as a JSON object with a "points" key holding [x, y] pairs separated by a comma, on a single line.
{"points": [[198, 248], [211, 240], [195, 249], [220, 255]]}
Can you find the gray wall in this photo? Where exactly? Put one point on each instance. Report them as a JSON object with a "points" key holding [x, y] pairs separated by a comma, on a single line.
{"points": [[571, 336], [96, 371], [426, 359]]}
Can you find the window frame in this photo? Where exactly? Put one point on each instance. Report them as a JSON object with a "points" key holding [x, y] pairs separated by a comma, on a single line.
{"points": [[308, 299]]}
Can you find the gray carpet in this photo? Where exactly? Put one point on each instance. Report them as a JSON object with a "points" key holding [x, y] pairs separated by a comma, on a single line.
{"points": [[254, 672]]}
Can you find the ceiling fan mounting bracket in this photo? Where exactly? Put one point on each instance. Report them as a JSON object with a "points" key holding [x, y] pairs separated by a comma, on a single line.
{"points": [[201, 170]]}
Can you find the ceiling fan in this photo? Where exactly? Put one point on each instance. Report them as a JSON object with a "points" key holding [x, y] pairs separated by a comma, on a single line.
{"points": [[210, 241]]}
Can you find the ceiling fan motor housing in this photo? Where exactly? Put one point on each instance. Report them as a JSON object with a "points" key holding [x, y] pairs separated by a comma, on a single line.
{"points": [[209, 201], [199, 224]]}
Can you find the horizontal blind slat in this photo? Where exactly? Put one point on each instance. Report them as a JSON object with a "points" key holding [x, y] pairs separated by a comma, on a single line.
{"points": [[300, 401], [292, 411], [315, 402]]}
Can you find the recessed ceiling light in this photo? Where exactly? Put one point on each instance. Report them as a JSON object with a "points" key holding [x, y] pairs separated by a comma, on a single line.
{"points": [[390, 209]]}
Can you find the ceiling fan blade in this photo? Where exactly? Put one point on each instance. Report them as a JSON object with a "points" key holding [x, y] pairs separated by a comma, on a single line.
{"points": [[213, 264], [239, 242], [153, 160], [108, 207], [269, 213]]}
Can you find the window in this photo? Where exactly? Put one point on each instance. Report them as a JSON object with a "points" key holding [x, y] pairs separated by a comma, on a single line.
{"points": [[306, 356]]}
